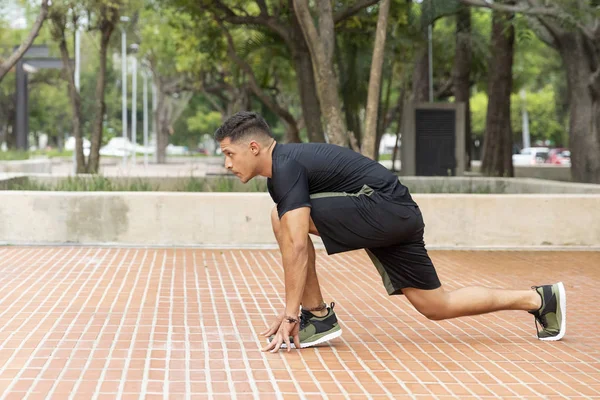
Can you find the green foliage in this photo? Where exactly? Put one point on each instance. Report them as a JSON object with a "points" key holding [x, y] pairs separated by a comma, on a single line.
{"points": [[541, 107], [13, 155], [98, 183], [95, 183], [204, 122]]}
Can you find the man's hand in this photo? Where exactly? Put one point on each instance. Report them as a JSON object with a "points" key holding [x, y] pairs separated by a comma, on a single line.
{"points": [[274, 326], [284, 331]]}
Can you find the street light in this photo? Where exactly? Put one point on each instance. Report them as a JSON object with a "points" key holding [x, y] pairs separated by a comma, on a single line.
{"points": [[124, 86], [134, 47], [145, 107]]}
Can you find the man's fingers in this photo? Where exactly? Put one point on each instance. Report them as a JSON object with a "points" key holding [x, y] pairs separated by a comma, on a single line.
{"points": [[297, 340], [272, 330], [287, 342], [269, 346], [277, 345]]}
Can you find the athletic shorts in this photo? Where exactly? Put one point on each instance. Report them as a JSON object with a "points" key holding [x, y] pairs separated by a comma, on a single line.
{"points": [[391, 233]]}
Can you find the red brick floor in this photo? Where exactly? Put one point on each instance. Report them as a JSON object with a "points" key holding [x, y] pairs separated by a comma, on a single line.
{"points": [[108, 323]]}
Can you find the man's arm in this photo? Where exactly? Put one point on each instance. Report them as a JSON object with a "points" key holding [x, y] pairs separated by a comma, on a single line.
{"points": [[295, 225]]}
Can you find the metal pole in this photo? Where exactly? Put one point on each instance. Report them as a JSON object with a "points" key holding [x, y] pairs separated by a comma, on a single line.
{"points": [[526, 140], [134, 107], [124, 91], [145, 107], [154, 108], [21, 106], [77, 84], [430, 52], [77, 58]]}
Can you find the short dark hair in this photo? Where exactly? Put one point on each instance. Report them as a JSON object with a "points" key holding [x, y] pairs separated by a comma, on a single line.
{"points": [[241, 124]]}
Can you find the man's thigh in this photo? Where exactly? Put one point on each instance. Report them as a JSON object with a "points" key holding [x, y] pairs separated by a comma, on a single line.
{"points": [[356, 222]]}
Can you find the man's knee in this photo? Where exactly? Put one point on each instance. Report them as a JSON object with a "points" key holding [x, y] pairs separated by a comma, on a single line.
{"points": [[431, 304], [435, 313]]}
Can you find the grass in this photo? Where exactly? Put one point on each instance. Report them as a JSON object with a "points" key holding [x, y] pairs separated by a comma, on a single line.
{"points": [[98, 183], [14, 155], [95, 183]]}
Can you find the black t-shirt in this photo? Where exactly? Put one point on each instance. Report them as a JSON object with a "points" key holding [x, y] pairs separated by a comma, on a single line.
{"points": [[302, 169]]}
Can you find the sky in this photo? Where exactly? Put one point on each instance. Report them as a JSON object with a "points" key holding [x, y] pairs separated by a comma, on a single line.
{"points": [[13, 13]]}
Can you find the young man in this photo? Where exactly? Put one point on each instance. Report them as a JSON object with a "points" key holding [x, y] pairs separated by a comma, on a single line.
{"points": [[353, 202]]}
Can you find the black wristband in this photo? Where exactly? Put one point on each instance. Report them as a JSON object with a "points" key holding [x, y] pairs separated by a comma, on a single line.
{"points": [[291, 320]]}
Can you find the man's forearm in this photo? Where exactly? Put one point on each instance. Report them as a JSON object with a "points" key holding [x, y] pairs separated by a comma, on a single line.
{"points": [[295, 265]]}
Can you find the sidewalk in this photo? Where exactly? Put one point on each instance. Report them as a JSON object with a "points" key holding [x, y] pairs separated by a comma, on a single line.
{"points": [[111, 323]]}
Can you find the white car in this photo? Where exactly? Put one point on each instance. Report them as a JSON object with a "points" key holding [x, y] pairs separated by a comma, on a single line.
{"points": [[531, 156]]}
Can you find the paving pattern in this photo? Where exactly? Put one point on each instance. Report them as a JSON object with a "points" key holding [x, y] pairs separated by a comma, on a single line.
{"points": [[146, 323]]}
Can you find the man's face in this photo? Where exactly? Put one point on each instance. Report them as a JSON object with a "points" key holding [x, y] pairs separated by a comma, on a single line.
{"points": [[240, 158]]}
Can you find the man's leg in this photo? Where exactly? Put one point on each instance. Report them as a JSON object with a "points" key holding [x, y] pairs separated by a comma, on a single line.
{"points": [[312, 296], [438, 304]]}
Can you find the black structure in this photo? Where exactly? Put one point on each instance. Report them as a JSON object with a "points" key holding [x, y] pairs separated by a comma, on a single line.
{"points": [[35, 58]]}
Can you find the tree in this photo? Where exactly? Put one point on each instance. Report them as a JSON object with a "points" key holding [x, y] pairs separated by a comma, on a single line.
{"points": [[7, 64], [101, 15], [498, 140], [293, 134], [322, 45], [573, 29], [186, 54], [58, 18], [461, 72], [369, 142]]}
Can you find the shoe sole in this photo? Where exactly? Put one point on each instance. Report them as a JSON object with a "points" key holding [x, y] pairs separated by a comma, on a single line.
{"points": [[563, 314], [320, 340]]}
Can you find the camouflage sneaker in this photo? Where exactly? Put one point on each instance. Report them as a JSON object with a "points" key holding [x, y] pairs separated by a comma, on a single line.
{"points": [[552, 315], [315, 330]]}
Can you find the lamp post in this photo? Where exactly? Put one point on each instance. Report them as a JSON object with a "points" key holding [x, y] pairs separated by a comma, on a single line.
{"points": [[134, 48], [145, 107], [124, 87], [77, 84]]}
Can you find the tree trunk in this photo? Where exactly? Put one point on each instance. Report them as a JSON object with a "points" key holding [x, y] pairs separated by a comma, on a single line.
{"points": [[497, 151], [162, 124], [374, 96], [305, 79], [421, 77], [106, 31], [351, 92], [382, 121], [10, 62], [401, 105], [461, 73], [321, 47], [74, 97], [584, 121]]}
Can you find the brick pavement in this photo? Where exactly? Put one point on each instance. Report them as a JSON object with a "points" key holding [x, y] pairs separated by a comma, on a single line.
{"points": [[111, 323]]}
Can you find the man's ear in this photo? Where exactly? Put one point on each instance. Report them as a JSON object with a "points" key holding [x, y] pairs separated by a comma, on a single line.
{"points": [[254, 147]]}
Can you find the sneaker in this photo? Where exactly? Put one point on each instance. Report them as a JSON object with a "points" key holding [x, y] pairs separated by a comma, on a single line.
{"points": [[315, 330], [552, 315]]}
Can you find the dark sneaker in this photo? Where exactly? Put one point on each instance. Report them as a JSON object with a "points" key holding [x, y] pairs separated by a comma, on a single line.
{"points": [[315, 330], [552, 315]]}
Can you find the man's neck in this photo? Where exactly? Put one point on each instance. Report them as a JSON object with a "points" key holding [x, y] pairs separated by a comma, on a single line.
{"points": [[268, 169]]}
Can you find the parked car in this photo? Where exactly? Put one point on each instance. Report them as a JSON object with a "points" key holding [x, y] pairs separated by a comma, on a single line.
{"points": [[560, 156], [531, 156]]}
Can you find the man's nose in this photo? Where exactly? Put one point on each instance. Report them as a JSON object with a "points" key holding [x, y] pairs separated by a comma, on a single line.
{"points": [[228, 164]]}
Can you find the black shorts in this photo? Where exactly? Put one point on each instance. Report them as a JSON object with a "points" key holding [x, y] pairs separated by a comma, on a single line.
{"points": [[391, 232]]}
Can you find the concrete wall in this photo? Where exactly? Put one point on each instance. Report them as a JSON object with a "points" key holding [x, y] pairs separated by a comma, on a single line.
{"points": [[488, 185], [40, 166], [541, 171], [234, 219]]}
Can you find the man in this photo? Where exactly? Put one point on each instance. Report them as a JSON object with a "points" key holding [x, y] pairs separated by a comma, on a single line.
{"points": [[353, 202]]}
